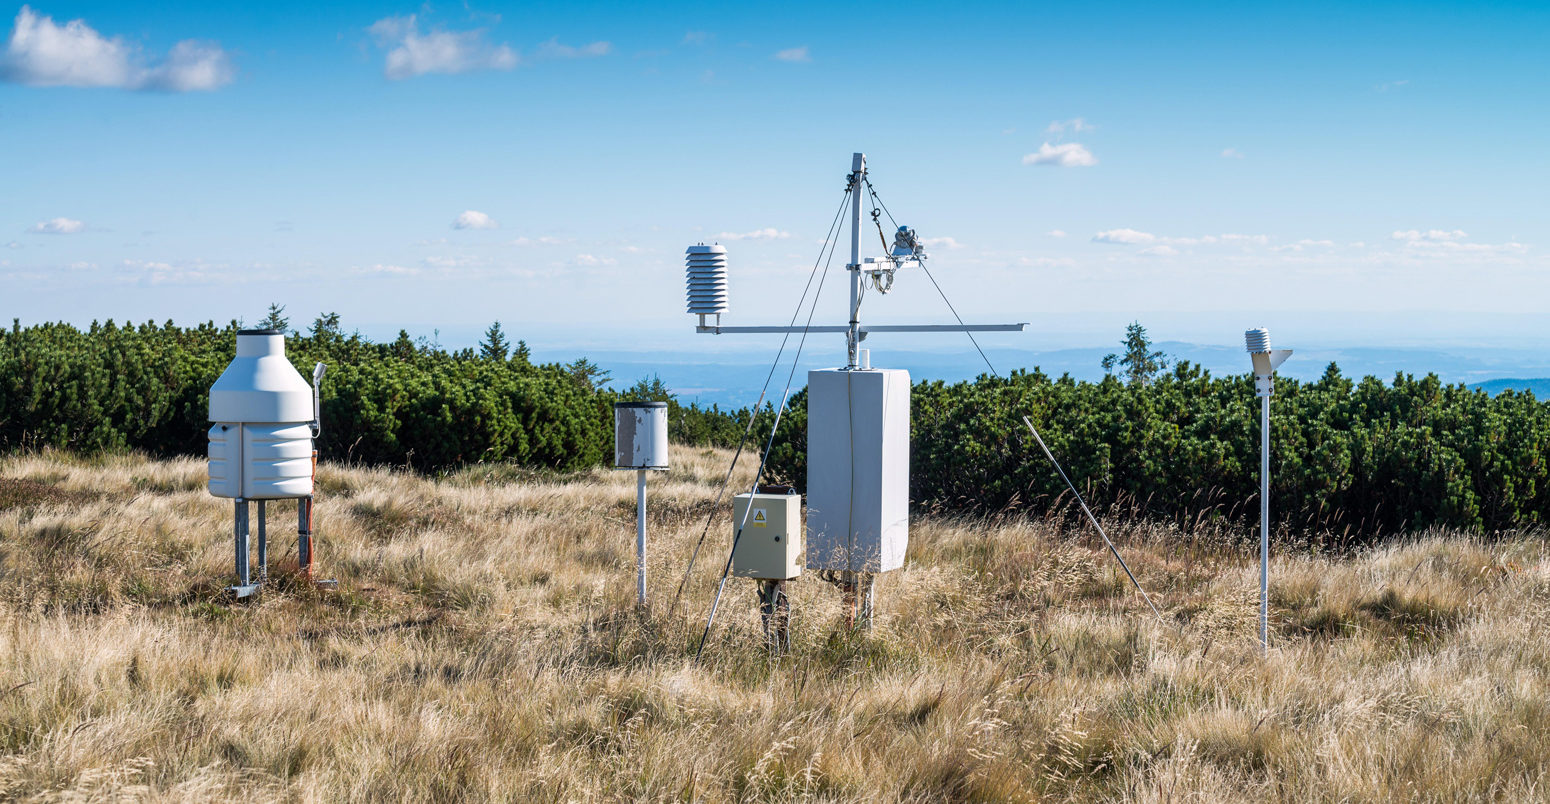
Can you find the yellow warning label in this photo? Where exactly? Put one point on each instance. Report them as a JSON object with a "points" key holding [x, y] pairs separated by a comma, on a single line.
{"points": [[759, 518]]}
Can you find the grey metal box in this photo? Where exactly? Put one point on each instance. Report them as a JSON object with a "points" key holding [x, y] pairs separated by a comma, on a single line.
{"points": [[771, 544], [858, 469]]}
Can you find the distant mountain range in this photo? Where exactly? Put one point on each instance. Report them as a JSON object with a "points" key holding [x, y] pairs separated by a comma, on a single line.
{"points": [[734, 377], [1539, 387]]}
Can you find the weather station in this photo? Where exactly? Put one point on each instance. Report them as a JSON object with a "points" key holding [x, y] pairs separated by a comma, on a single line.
{"points": [[858, 422]]}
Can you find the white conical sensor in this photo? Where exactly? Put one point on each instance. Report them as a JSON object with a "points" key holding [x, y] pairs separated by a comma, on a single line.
{"points": [[706, 277]]}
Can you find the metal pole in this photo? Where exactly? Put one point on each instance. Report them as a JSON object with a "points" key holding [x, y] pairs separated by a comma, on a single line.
{"points": [[304, 536], [242, 541], [263, 545], [853, 338], [640, 536], [1264, 525]]}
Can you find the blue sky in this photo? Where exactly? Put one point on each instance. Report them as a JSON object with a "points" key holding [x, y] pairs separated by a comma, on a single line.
{"points": [[1370, 171]]}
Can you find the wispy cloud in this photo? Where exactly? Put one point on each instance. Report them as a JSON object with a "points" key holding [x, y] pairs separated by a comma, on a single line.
{"points": [[795, 54], [1160, 251], [1055, 233], [1231, 153], [537, 241], [1075, 125], [1124, 237], [41, 52], [698, 37], [58, 226], [382, 269], [769, 233], [940, 242], [1430, 234], [412, 53], [473, 219], [592, 260], [552, 49], [1068, 154], [1388, 85]]}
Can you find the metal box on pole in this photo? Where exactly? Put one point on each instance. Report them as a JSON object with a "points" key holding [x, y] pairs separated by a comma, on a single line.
{"points": [[640, 443], [770, 547]]}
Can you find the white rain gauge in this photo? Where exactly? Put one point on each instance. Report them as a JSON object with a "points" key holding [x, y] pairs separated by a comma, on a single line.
{"points": [[858, 430], [261, 448]]}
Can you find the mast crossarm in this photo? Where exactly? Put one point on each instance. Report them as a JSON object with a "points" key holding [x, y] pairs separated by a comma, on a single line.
{"points": [[719, 330]]}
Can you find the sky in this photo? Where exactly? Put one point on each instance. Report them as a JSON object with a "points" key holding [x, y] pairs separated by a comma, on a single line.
{"points": [[1367, 173]]}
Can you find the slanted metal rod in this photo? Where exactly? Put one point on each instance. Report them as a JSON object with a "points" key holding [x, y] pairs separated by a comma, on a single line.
{"points": [[1090, 517]]}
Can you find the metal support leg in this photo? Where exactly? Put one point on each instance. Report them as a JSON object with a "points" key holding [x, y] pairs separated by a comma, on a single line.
{"points": [[640, 536], [242, 542], [775, 612], [304, 535], [263, 545], [868, 598], [245, 585]]}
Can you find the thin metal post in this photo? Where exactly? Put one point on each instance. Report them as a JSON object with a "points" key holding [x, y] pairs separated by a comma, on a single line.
{"points": [[304, 535], [1264, 525], [242, 541], [263, 545], [640, 536], [853, 336]]}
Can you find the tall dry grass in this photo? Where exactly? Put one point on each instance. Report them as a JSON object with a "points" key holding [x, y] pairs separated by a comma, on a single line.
{"points": [[484, 645]]}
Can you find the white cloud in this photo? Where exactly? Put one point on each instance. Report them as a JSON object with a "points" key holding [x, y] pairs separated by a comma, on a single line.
{"points": [[1068, 154], [388, 270], [940, 242], [1160, 251], [43, 53], [698, 37], [1305, 244], [13, 244], [58, 226], [1056, 233], [793, 54], [1231, 153], [413, 53], [537, 241], [589, 260], [1075, 125], [552, 49], [473, 219], [1430, 234], [1388, 85], [769, 233], [1258, 240], [1124, 237]]}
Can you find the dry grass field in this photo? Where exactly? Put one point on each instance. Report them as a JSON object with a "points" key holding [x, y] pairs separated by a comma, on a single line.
{"points": [[484, 645]]}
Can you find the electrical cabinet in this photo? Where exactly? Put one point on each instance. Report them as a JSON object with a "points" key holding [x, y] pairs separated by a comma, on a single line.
{"points": [[771, 545], [858, 469]]}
